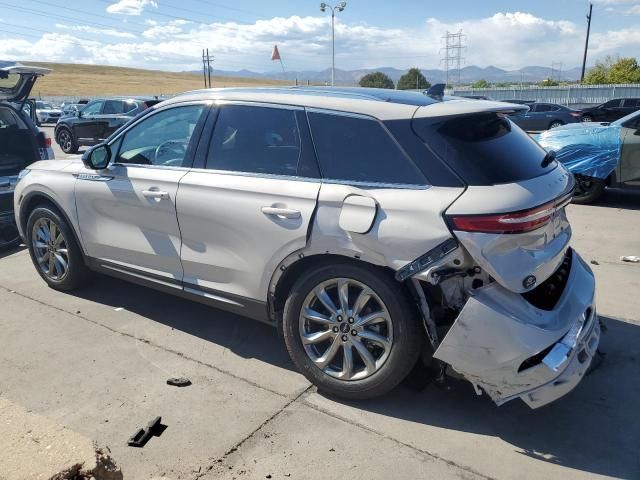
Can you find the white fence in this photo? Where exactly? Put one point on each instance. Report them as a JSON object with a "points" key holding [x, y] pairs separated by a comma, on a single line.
{"points": [[574, 95]]}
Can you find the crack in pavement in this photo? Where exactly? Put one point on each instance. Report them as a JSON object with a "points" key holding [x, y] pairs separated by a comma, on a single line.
{"points": [[292, 400], [435, 456], [148, 342]]}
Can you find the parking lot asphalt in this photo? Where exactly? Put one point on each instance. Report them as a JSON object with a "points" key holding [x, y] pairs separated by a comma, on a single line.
{"points": [[96, 362]]}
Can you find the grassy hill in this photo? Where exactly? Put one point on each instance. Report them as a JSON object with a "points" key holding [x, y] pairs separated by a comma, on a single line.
{"points": [[94, 80]]}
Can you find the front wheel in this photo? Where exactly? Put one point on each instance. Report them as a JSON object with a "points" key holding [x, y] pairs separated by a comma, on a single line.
{"points": [[555, 123], [587, 118], [351, 331], [588, 189], [54, 250]]}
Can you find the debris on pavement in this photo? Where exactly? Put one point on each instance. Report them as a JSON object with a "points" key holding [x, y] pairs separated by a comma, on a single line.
{"points": [[631, 258], [179, 382], [153, 429], [595, 262]]}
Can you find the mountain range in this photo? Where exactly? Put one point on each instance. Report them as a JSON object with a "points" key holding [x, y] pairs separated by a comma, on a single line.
{"points": [[468, 74]]}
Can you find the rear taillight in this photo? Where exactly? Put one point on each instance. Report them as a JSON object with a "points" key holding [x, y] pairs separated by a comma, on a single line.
{"points": [[575, 114], [513, 222], [44, 141]]}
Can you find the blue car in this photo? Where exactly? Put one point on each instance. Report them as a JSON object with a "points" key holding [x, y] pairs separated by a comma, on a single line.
{"points": [[599, 155]]}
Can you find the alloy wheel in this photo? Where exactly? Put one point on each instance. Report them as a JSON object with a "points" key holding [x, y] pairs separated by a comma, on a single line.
{"points": [[65, 141], [346, 329], [50, 249]]}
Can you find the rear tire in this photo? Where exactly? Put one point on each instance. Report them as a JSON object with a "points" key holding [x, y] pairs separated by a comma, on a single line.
{"points": [[67, 143], [9, 237], [588, 189], [372, 337], [587, 118], [54, 250]]}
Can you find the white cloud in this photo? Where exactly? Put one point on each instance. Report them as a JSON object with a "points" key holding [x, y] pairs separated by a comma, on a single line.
{"points": [[130, 7], [507, 40], [635, 10], [97, 31]]}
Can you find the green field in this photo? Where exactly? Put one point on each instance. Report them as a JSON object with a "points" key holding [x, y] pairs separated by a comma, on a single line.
{"points": [[93, 80]]}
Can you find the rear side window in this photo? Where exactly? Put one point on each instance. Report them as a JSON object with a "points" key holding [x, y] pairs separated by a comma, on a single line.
{"points": [[612, 103], [359, 149], [256, 139], [632, 102], [485, 148], [545, 107], [113, 107]]}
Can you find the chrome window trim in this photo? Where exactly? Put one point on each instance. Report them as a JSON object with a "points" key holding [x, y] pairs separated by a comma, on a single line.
{"points": [[141, 119], [249, 103], [312, 180]]}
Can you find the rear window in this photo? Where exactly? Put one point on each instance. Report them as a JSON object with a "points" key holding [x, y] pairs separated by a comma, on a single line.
{"points": [[485, 148], [359, 149]]}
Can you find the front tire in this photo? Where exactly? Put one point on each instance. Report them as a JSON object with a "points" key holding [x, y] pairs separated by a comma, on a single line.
{"points": [[66, 141], [588, 189], [351, 331], [54, 250], [555, 123], [587, 118]]}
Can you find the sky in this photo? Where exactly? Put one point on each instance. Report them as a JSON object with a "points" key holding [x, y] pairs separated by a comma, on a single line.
{"points": [[240, 34]]}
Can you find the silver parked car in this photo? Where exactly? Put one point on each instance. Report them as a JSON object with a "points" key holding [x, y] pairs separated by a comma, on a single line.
{"points": [[46, 112], [369, 225]]}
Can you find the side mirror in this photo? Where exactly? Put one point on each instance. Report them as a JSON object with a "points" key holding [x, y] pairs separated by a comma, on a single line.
{"points": [[98, 157], [79, 113]]}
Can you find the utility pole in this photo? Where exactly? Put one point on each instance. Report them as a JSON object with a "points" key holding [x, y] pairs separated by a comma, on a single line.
{"points": [[206, 67], [586, 43]]}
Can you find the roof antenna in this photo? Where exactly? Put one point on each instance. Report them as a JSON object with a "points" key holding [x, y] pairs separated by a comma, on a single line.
{"points": [[436, 91]]}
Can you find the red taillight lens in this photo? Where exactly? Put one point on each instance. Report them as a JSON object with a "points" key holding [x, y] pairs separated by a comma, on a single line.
{"points": [[575, 114], [518, 222], [44, 141]]}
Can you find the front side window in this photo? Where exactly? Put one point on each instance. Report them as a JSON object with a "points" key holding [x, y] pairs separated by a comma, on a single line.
{"points": [[92, 109], [161, 139], [611, 104], [255, 139], [632, 102], [359, 149]]}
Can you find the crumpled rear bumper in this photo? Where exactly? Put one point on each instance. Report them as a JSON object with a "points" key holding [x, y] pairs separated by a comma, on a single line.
{"points": [[511, 349]]}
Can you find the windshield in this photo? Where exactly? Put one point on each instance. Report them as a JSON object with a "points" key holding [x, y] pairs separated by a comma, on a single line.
{"points": [[44, 106], [621, 121]]}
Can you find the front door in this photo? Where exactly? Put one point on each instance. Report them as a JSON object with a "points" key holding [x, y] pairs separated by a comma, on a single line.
{"points": [[249, 205], [127, 212], [87, 125]]}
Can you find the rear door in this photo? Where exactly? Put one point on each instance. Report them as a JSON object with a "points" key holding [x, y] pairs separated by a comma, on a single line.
{"points": [[247, 203]]}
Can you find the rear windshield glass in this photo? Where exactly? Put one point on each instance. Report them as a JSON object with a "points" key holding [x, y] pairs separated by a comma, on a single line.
{"points": [[485, 148]]}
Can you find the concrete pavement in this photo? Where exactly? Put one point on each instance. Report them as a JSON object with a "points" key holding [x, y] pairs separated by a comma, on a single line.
{"points": [[96, 362]]}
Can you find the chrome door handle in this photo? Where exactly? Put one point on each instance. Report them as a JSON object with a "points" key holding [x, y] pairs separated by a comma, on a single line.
{"points": [[155, 194], [281, 212]]}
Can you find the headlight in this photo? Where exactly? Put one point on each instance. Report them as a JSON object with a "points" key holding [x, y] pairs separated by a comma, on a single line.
{"points": [[23, 173]]}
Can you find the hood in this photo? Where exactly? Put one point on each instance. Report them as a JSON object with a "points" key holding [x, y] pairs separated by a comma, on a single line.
{"points": [[16, 81]]}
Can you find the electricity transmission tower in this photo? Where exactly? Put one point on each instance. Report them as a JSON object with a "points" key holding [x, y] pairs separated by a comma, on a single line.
{"points": [[452, 57]]}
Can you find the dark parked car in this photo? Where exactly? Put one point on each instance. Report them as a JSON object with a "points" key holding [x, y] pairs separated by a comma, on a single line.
{"points": [[611, 110], [21, 142], [96, 121], [543, 116]]}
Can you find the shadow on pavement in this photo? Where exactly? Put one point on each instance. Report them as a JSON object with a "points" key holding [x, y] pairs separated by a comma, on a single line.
{"points": [[11, 251], [619, 198], [594, 429], [243, 336]]}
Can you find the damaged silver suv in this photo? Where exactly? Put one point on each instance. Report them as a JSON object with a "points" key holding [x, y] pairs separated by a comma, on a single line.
{"points": [[373, 227]]}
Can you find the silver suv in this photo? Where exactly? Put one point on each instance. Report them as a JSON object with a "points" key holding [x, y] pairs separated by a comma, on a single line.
{"points": [[377, 229]]}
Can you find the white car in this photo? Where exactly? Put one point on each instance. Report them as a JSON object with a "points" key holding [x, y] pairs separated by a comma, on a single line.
{"points": [[46, 112], [373, 227]]}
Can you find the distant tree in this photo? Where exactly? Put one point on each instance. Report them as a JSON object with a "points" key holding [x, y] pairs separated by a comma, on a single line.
{"points": [[376, 80], [413, 79], [482, 83], [614, 70], [549, 82]]}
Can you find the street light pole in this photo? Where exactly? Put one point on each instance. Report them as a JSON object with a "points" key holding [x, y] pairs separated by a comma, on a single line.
{"points": [[340, 7]]}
